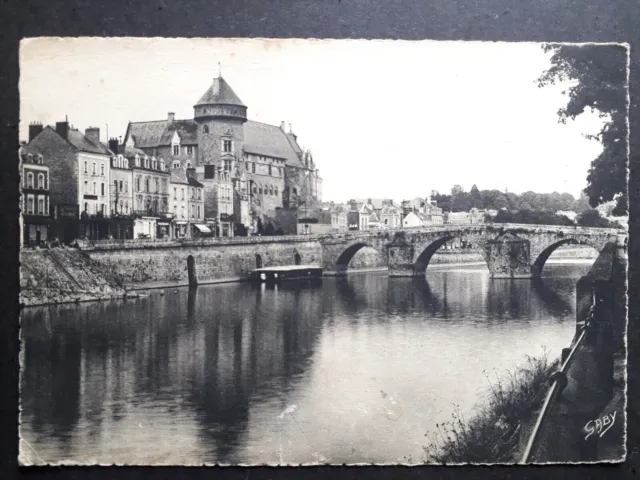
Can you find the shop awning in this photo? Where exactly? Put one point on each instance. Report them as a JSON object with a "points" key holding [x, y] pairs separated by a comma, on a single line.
{"points": [[203, 228]]}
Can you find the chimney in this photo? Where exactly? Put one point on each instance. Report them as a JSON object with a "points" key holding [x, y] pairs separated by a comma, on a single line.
{"points": [[34, 129], [290, 129], [62, 129], [114, 145], [171, 117], [93, 134], [282, 126]]}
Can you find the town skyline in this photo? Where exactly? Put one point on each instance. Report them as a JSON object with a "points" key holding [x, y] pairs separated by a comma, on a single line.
{"points": [[295, 81]]}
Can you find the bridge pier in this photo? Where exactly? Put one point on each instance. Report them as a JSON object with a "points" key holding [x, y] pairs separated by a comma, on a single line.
{"points": [[509, 256]]}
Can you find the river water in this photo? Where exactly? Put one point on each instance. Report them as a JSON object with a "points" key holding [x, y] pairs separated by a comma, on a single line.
{"points": [[353, 370]]}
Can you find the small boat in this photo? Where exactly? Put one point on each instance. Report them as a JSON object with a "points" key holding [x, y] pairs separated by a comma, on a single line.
{"points": [[285, 272]]}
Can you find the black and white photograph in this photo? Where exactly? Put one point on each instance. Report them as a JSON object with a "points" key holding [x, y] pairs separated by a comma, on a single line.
{"points": [[322, 252]]}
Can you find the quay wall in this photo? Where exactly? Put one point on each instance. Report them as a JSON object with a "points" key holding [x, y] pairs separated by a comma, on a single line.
{"points": [[166, 262]]}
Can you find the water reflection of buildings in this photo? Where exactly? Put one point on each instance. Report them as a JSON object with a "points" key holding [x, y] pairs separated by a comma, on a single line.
{"points": [[212, 351]]}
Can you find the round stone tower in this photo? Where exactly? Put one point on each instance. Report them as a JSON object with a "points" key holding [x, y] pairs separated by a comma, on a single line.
{"points": [[220, 116]]}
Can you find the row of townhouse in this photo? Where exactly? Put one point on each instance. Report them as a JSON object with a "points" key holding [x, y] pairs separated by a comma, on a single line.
{"points": [[86, 189], [371, 214]]}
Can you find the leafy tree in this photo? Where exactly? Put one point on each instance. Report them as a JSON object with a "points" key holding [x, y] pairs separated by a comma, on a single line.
{"points": [[581, 204], [532, 217], [592, 218], [475, 198], [601, 74]]}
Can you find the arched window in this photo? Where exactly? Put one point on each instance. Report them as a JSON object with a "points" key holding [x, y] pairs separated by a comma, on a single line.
{"points": [[205, 129], [41, 181], [270, 190], [162, 165], [260, 190], [40, 159], [30, 157], [126, 163], [146, 162], [188, 164], [29, 180], [137, 158], [146, 184], [276, 191], [297, 258]]}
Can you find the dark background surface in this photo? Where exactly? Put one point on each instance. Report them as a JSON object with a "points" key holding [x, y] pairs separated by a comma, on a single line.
{"points": [[492, 20]]}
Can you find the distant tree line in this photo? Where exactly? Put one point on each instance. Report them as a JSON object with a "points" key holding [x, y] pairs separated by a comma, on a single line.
{"points": [[528, 207], [460, 201]]}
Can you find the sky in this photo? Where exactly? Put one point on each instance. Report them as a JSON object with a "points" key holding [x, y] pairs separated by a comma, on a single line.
{"points": [[382, 118]]}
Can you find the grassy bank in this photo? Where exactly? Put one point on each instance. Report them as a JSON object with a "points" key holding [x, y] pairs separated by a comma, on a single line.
{"points": [[492, 434]]}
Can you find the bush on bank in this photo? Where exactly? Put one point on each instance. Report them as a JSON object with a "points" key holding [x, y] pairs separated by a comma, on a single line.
{"points": [[492, 434]]}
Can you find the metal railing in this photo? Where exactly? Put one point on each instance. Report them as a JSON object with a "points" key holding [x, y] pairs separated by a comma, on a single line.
{"points": [[559, 382]]}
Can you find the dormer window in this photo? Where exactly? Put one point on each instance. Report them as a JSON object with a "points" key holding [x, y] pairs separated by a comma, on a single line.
{"points": [[30, 157], [162, 165], [176, 149], [137, 160], [188, 164], [176, 164], [154, 163], [146, 162], [205, 128], [40, 159], [125, 162]]}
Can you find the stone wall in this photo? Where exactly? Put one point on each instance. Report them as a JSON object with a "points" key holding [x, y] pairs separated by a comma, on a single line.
{"points": [[214, 261]]}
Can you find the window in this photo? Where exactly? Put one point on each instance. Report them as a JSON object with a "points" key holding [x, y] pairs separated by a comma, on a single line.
{"points": [[146, 162], [86, 207], [121, 186], [175, 209], [86, 188], [126, 207], [176, 149], [182, 193], [102, 189], [205, 129], [29, 158], [94, 168], [260, 190], [276, 191], [198, 211], [30, 204], [175, 193], [190, 150], [126, 186], [126, 163], [137, 184], [176, 164], [270, 173], [253, 167], [102, 169], [270, 190], [199, 194], [162, 165], [94, 188], [157, 184], [295, 191], [85, 167], [40, 159], [255, 190], [246, 166], [137, 158], [40, 205], [154, 164], [227, 146], [29, 180], [102, 208], [121, 206], [146, 184], [227, 165], [182, 212]]}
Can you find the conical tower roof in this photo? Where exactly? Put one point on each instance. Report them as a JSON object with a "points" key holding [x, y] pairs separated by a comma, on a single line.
{"points": [[220, 93]]}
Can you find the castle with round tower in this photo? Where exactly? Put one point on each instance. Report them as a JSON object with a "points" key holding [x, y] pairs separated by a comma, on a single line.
{"points": [[249, 169]]}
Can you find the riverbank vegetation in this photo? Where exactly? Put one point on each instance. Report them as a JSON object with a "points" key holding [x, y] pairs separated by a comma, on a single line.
{"points": [[492, 434]]}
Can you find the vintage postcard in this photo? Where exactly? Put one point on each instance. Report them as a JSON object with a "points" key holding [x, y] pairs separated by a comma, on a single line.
{"points": [[303, 252]]}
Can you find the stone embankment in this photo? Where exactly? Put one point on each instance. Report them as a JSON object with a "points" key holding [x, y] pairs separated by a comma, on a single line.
{"points": [[65, 275]]}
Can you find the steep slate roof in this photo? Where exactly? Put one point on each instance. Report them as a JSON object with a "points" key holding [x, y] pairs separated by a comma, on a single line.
{"points": [[270, 140], [82, 143], [179, 175], [220, 93], [193, 182], [187, 129], [146, 134]]}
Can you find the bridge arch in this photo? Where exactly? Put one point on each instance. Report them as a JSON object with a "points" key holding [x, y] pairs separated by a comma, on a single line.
{"points": [[541, 258], [424, 257], [342, 263]]}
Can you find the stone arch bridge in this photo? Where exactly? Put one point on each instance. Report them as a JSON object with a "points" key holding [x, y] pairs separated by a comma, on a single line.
{"points": [[510, 250]]}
